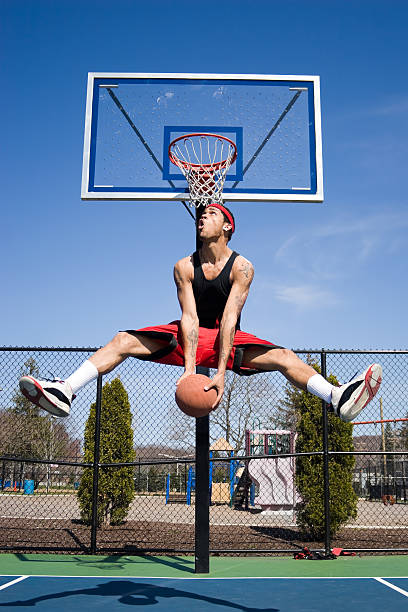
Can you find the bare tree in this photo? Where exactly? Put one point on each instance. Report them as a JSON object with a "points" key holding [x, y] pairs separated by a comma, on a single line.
{"points": [[248, 402]]}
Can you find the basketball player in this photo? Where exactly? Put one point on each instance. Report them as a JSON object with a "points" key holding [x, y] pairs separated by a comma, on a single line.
{"points": [[212, 287]]}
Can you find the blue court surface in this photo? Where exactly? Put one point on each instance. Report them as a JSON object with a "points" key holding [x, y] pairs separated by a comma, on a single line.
{"points": [[203, 594]]}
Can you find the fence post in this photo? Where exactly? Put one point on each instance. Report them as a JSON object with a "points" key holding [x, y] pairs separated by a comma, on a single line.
{"points": [[326, 479], [202, 497], [95, 483], [202, 480]]}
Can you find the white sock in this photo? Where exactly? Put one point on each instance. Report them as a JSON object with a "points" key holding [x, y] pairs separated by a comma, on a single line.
{"points": [[82, 376], [320, 387]]}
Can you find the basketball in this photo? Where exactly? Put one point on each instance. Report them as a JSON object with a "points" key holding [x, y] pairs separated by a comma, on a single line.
{"points": [[191, 397]]}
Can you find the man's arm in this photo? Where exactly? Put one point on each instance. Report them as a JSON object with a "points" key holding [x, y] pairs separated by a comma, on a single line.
{"points": [[242, 275], [189, 320]]}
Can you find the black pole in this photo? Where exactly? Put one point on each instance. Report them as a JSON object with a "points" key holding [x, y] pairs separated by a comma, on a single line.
{"points": [[202, 499], [20, 478], [97, 439], [326, 479]]}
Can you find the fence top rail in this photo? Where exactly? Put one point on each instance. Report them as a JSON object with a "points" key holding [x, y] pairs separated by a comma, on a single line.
{"points": [[192, 461], [390, 453], [58, 462], [48, 349], [79, 349], [352, 351]]}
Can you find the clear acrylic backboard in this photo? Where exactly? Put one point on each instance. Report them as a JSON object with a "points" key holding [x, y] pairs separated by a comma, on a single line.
{"points": [[131, 119]]}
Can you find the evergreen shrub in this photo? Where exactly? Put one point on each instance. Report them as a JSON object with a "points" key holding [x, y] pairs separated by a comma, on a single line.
{"points": [[116, 486], [309, 470]]}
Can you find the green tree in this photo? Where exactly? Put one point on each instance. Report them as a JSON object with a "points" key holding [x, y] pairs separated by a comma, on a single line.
{"points": [[309, 470], [116, 487], [21, 405], [156, 478]]}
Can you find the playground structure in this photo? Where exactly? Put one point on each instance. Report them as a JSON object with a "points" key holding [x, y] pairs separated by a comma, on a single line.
{"points": [[274, 477], [233, 489], [223, 492]]}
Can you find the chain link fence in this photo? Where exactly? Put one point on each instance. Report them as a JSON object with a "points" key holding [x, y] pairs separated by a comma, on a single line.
{"points": [[42, 463]]}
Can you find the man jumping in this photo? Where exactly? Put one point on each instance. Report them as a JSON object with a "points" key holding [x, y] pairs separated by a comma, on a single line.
{"points": [[212, 287]]}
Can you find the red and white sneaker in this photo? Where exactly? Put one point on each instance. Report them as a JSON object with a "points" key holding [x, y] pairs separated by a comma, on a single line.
{"points": [[54, 396], [350, 399]]}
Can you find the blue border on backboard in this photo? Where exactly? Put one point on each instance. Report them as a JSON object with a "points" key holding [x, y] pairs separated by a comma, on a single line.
{"points": [[306, 84], [169, 135]]}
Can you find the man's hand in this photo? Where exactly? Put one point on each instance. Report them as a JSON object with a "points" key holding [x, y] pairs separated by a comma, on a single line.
{"points": [[184, 375], [218, 384]]}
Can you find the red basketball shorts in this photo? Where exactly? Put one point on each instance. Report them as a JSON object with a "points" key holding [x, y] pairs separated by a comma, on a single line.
{"points": [[207, 349]]}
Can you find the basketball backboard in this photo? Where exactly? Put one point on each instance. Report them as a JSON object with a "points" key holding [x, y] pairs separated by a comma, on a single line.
{"points": [[132, 118]]}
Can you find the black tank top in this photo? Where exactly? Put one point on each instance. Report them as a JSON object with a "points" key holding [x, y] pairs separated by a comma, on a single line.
{"points": [[212, 295]]}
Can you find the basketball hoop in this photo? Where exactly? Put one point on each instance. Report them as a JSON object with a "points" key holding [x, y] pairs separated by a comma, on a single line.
{"points": [[204, 159]]}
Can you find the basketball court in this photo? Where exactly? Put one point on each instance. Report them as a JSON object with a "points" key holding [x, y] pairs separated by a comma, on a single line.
{"points": [[181, 141], [168, 583], [201, 139]]}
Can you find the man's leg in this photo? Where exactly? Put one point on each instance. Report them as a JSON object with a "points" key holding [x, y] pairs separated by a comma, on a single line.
{"points": [[347, 400], [124, 345], [281, 360], [55, 396]]}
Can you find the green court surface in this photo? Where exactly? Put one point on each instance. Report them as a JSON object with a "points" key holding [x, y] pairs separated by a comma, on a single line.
{"points": [[183, 567]]}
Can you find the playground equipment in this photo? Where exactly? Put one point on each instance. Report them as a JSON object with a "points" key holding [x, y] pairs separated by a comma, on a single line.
{"points": [[274, 477], [235, 489], [222, 492], [180, 497]]}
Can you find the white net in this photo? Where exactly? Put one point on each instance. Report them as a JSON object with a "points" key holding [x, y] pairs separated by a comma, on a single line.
{"points": [[204, 159]]}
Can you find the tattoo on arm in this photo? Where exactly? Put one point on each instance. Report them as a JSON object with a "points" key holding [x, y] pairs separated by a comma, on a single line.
{"points": [[227, 342], [223, 359], [239, 302], [247, 270], [193, 341]]}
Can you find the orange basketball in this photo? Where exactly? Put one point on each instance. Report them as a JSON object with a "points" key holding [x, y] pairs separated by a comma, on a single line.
{"points": [[191, 397]]}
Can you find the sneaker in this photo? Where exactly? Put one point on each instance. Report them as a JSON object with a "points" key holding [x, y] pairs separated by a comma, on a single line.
{"points": [[350, 399], [54, 396]]}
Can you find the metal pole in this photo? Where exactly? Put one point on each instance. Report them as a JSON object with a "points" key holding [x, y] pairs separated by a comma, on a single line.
{"points": [[202, 498], [97, 439], [3, 474], [383, 439], [326, 479]]}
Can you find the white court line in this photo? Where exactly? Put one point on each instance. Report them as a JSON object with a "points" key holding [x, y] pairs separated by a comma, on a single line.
{"points": [[203, 577], [4, 586], [392, 586]]}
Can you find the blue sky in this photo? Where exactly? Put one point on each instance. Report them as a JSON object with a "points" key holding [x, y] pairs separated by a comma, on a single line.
{"points": [[326, 275]]}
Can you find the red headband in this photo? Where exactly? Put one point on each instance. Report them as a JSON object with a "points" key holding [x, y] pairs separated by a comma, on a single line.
{"points": [[225, 212]]}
